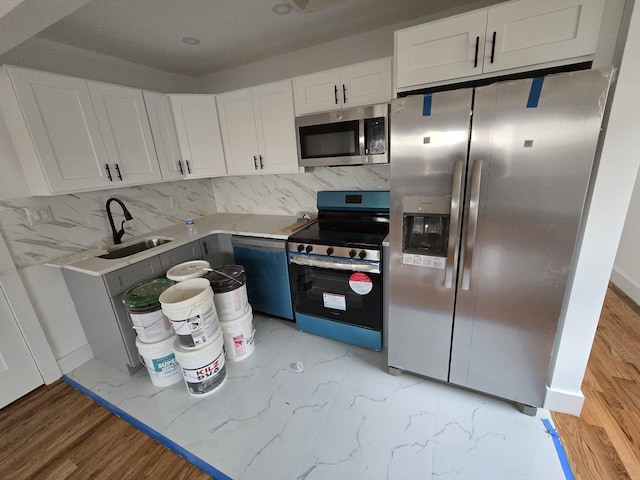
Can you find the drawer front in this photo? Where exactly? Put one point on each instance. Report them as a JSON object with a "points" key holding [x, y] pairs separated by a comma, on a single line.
{"points": [[125, 278], [185, 253]]}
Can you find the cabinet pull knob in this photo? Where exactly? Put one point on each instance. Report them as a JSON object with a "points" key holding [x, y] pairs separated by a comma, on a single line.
{"points": [[106, 166], [475, 59], [118, 170], [255, 162], [344, 94], [493, 46], [188, 166], [261, 165], [335, 93], [180, 167]]}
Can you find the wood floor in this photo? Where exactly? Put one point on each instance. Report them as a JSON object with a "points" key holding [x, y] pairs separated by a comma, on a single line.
{"points": [[604, 442], [58, 433]]}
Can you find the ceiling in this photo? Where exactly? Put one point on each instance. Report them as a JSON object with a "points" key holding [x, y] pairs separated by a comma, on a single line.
{"points": [[231, 32]]}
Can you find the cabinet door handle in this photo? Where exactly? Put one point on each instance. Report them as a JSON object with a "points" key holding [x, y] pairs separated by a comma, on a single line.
{"points": [[204, 247], [493, 46], [475, 59], [344, 94], [335, 93], [261, 165], [106, 166], [118, 170], [255, 162], [188, 166], [180, 167]]}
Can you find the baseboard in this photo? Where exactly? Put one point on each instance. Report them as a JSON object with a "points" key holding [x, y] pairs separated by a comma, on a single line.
{"points": [[73, 360], [564, 401], [628, 286]]}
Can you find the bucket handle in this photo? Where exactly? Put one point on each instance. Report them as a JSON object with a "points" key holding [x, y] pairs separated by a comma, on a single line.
{"points": [[225, 275]]}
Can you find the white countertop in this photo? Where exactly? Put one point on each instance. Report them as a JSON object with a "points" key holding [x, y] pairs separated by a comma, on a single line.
{"points": [[251, 225]]}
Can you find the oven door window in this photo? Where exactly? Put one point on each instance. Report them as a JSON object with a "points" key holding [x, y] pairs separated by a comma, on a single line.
{"points": [[330, 140], [349, 297]]}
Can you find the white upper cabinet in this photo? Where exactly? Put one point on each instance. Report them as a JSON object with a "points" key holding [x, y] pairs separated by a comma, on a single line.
{"points": [[356, 85], [126, 133], [164, 134], [55, 131], [513, 35], [258, 129], [196, 120]]}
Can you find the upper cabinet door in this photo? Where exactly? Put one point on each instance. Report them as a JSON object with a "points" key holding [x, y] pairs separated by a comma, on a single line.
{"points": [[164, 134], [275, 126], [317, 92], [533, 32], [196, 118], [237, 124], [55, 132], [126, 133], [449, 48], [366, 83]]}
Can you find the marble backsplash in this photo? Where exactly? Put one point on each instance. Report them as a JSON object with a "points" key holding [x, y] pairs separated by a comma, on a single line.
{"points": [[292, 193], [80, 220]]}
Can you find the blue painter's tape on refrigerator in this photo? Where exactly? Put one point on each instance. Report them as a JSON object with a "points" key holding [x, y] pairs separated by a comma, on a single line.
{"points": [[534, 93], [426, 105]]}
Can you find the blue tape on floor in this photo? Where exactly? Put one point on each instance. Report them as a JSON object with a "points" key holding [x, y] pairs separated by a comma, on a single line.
{"points": [[170, 444], [566, 468], [534, 93], [426, 105]]}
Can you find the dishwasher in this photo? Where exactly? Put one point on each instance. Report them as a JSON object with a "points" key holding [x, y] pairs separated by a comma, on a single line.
{"points": [[265, 264]]}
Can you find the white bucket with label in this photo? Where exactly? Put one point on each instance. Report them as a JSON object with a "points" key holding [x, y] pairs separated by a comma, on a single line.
{"points": [[230, 291], [189, 307], [238, 337], [145, 312], [160, 361], [203, 369]]}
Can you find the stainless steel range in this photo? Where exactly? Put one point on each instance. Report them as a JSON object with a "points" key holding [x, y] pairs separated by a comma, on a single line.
{"points": [[335, 267]]}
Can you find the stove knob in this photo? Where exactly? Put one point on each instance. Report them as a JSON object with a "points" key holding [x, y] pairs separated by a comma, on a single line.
{"points": [[329, 250], [309, 248], [300, 247], [362, 254], [352, 253]]}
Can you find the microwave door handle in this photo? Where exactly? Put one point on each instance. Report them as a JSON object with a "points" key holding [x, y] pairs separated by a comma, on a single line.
{"points": [[476, 174], [456, 221]]}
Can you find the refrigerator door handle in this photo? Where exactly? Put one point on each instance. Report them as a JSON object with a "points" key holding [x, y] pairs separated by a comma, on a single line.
{"points": [[456, 196], [476, 173]]}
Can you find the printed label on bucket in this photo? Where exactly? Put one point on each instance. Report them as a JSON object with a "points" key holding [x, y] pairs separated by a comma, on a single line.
{"points": [[201, 329], [166, 366], [205, 378], [152, 326]]}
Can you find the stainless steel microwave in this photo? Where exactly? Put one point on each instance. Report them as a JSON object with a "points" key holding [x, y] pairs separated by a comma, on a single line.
{"points": [[354, 136]]}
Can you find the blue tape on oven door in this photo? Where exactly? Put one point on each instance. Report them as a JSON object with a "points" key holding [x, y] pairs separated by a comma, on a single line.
{"points": [[426, 105], [534, 93]]}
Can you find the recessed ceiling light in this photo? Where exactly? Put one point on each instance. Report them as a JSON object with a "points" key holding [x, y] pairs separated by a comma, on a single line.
{"points": [[282, 8], [191, 41]]}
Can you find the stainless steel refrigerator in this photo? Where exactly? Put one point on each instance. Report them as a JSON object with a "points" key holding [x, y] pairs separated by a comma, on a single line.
{"points": [[488, 188]]}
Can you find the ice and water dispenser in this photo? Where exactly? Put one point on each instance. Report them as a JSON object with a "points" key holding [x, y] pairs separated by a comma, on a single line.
{"points": [[425, 225]]}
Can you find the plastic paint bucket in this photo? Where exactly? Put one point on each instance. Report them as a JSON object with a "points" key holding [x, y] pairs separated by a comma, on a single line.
{"points": [[145, 311], [230, 289], [191, 311], [238, 336], [188, 270], [203, 369], [160, 361]]}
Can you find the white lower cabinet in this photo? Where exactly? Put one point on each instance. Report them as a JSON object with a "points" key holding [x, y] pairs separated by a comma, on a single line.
{"points": [[199, 140], [258, 129]]}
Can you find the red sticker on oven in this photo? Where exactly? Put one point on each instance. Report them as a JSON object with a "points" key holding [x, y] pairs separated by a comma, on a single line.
{"points": [[360, 283]]}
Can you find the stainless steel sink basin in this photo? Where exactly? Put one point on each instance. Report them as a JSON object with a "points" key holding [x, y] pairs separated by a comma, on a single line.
{"points": [[127, 249]]}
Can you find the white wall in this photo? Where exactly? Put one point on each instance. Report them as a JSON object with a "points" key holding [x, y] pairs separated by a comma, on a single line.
{"points": [[611, 194]]}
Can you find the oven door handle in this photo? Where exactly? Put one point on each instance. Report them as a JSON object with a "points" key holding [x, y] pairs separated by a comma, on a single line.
{"points": [[335, 264]]}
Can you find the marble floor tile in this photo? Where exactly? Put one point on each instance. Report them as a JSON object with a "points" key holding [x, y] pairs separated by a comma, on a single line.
{"points": [[340, 416]]}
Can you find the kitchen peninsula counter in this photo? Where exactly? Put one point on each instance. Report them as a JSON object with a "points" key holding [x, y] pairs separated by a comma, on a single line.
{"points": [[251, 225]]}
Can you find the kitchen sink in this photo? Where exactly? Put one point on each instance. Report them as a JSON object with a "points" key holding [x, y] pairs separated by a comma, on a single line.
{"points": [[127, 249]]}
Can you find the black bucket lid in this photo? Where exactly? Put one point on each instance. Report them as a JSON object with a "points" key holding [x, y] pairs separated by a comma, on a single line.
{"points": [[226, 278], [146, 293]]}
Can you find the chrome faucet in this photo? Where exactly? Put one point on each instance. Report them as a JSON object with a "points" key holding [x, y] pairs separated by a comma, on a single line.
{"points": [[117, 235]]}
